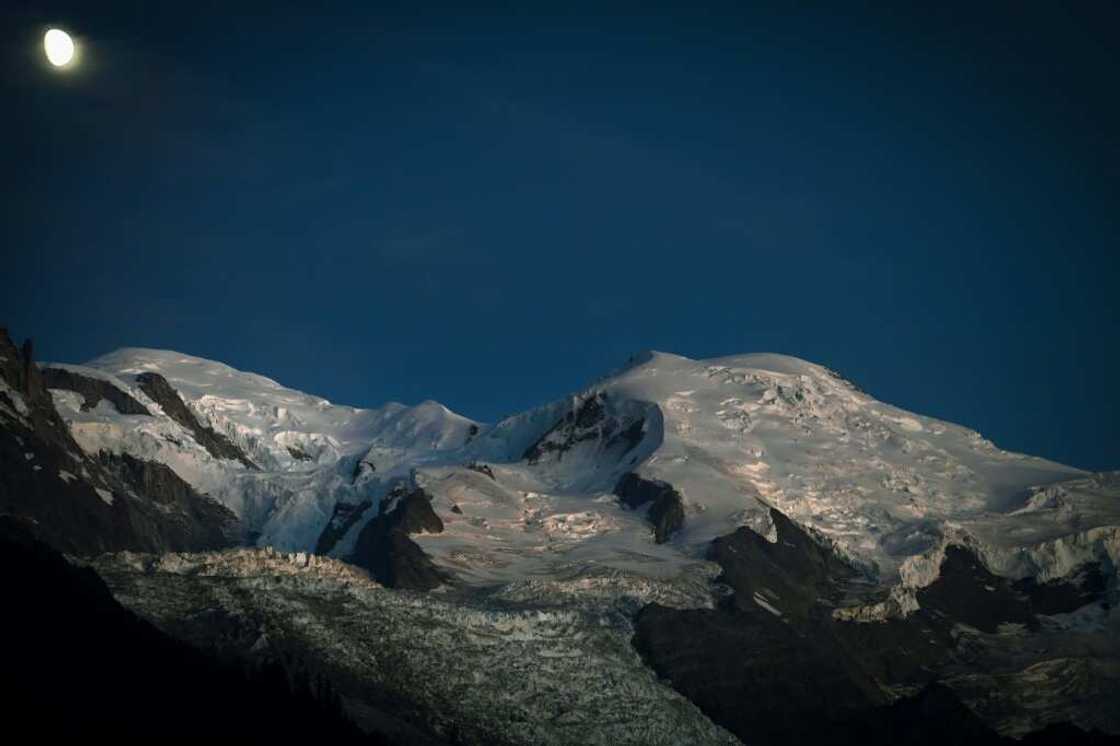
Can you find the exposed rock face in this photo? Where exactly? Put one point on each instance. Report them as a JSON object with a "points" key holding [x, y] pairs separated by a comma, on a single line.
{"points": [[383, 546], [791, 574], [78, 504], [299, 454], [1083, 586], [630, 436], [343, 518], [30, 379], [201, 523], [164, 394], [749, 665], [763, 679], [481, 468], [587, 420], [85, 667], [666, 506], [93, 390], [579, 424], [41, 467], [361, 469], [965, 591], [26, 399], [772, 665]]}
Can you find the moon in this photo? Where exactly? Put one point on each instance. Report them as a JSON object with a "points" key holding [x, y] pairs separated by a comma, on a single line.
{"points": [[59, 47]]}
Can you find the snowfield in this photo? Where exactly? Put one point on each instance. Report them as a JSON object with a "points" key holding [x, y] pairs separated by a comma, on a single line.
{"points": [[734, 436]]}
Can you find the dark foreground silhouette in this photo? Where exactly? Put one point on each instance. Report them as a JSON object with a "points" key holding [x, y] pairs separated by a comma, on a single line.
{"points": [[77, 663]]}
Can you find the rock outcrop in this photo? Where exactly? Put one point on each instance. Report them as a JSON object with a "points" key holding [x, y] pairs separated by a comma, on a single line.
{"points": [[792, 574], [966, 592], [164, 394], [481, 468], [582, 422], [77, 503], [666, 506], [1083, 586], [756, 665], [343, 518], [587, 419], [93, 391], [773, 665], [385, 549], [200, 522]]}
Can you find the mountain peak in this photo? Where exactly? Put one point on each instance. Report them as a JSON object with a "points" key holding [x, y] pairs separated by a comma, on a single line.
{"points": [[816, 501]]}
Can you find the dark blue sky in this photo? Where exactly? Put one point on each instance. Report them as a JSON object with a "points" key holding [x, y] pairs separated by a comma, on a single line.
{"points": [[493, 208]]}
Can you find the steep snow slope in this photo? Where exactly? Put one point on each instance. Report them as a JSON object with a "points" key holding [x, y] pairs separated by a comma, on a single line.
{"points": [[284, 429], [308, 449], [736, 436], [751, 430]]}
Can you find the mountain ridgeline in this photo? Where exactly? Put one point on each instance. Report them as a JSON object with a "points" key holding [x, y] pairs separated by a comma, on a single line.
{"points": [[91, 501], [744, 549]]}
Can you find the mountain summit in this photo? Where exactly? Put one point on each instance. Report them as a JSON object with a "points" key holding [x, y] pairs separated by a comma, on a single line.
{"points": [[734, 437], [755, 514]]}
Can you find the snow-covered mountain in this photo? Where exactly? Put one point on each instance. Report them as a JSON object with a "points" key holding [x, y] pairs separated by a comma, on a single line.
{"points": [[829, 555], [733, 437], [302, 454]]}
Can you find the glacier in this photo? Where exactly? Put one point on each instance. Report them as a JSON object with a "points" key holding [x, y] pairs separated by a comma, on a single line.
{"points": [[735, 436], [755, 508]]}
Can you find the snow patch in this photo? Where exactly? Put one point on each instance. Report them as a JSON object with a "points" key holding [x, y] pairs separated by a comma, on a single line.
{"points": [[766, 605], [15, 397]]}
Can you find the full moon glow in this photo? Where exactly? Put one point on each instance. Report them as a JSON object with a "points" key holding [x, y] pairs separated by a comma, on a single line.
{"points": [[59, 47]]}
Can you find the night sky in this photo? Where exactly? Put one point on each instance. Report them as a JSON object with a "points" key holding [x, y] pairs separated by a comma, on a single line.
{"points": [[493, 208]]}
